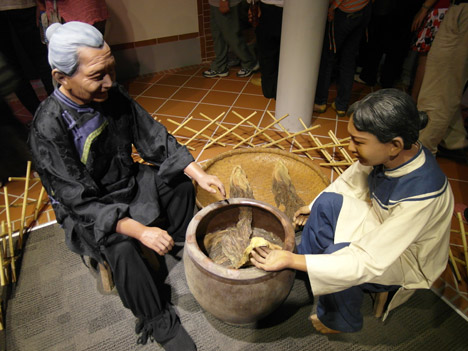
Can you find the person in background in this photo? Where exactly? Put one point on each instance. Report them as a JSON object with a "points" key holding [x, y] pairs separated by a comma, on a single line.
{"points": [[13, 134], [20, 43], [268, 33], [443, 84], [93, 12], [426, 22], [81, 142], [225, 30], [388, 39], [383, 226], [347, 20]]}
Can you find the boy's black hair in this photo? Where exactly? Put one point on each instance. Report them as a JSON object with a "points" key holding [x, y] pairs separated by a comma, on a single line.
{"points": [[387, 114]]}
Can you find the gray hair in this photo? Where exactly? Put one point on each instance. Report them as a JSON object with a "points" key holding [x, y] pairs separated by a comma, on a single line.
{"points": [[66, 39]]}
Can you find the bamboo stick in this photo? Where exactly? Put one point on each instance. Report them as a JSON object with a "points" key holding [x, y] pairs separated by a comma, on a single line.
{"points": [[324, 151], [10, 236], [225, 128], [229, 131], [256, 129], [194, 131], [180, 125], [39, 201], [2, 255], [291, 135], [287, 132], [342, 150], [204, 128], [23, 208], [463, 235], [338, 163], [324, 146], [454, 264], [261, 130]]}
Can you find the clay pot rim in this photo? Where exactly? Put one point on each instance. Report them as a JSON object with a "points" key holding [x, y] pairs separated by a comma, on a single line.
{"points": [[252, 273]]}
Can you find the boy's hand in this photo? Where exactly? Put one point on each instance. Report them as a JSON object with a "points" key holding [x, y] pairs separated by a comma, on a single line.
{"points": [[301, 216]]}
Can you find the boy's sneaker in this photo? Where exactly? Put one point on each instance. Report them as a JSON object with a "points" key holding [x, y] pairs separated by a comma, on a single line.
{"points": [[211, 73], [246, 72]]}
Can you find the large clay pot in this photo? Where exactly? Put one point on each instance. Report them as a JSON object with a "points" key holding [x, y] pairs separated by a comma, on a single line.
{"points": [[238, 296]]}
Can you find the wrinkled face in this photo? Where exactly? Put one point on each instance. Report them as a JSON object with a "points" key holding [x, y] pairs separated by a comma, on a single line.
{"points": [[367, 148], [93, 78]]}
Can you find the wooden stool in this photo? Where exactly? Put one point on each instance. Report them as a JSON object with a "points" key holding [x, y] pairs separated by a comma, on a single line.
{"points": [[379, 303], [105, 275]]}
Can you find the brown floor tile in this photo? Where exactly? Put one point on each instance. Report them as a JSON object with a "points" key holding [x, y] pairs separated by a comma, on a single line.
{"points": [[189, 94], [220, 98], [173, 79], [176, 108], [234, 116], [211, 111], [150, 104], [148, 78], [251, 101], [453, 169], [200, 83], [136, 88], [460, 191], [461, 302], [191, 70], [229, 85], [253, 89], [160, 91]]}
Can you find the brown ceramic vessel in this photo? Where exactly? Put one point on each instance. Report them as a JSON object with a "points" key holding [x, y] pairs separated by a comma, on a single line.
{"points": [[237, 296]]}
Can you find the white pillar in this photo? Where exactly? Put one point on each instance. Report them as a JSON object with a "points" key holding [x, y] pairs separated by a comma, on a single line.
{"points": [[301, 47]]}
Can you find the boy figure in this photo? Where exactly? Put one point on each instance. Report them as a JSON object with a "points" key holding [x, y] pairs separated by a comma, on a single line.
{"points": [[81, 142], [382, 226]]}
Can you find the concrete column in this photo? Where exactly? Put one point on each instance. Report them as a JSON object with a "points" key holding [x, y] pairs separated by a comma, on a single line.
{"points": [[301, 47]]}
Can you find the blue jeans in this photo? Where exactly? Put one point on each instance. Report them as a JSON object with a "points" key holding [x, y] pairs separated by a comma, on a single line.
{"points": [[341, 310], [344, 33]]}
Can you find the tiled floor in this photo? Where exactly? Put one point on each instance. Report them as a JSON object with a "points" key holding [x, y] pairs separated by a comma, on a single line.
{"points": [[174, 96]]}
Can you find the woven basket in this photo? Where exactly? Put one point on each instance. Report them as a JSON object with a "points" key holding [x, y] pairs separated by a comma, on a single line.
{"points": [[258, 164]]}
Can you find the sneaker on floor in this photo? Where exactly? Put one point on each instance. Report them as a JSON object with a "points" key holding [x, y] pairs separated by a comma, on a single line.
{"points": [[339, 113], [211, 73], [320, 108], [246, 72]]}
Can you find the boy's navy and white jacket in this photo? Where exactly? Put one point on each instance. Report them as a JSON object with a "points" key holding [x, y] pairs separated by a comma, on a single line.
{"points": [[398, 223]]}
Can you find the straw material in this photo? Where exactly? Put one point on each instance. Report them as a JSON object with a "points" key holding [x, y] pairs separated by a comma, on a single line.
{"points": [[258, 164]]}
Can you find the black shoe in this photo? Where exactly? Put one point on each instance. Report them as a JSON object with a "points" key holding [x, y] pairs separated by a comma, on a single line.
{"points": [[181, 342], [457, 155]]}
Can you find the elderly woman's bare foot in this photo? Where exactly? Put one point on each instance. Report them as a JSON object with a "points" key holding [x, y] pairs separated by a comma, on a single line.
{"points": [[320, 327]]}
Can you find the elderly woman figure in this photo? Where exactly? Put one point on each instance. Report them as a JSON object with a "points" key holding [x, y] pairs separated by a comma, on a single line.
{"points": [[81, 141]]}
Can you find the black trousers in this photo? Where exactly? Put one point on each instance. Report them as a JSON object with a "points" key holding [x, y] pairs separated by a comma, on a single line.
{"points": [[137, 284], [268, 34], [21, 44]]}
